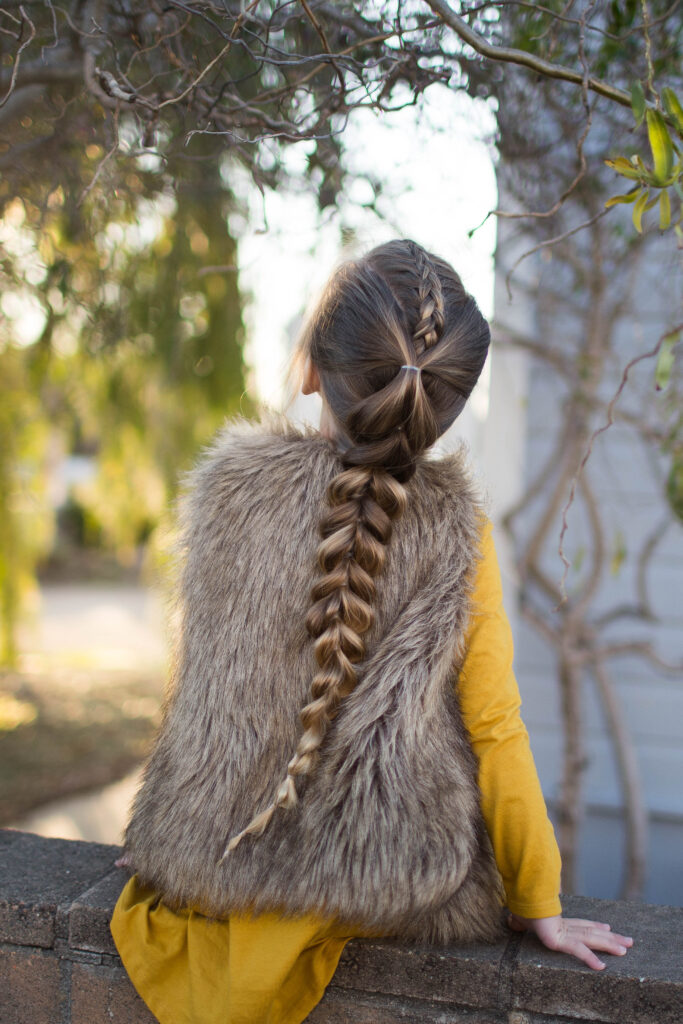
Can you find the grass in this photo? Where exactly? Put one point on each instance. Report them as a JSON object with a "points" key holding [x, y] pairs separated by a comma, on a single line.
{"points": [[67, 732]]}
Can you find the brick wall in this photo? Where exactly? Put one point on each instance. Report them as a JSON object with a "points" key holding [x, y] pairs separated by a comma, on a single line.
{"points": [[58, 964]]}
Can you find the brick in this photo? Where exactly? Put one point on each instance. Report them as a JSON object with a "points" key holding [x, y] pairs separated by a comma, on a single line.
{"points": [[54, 886], [38, 876], [464, 975], [91, 913], [105, 995], [29, 987], [643, 987], [343, 1007]]}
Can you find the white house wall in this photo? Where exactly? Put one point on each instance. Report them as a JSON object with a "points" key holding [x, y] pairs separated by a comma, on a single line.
{"points": [[628, 478]]}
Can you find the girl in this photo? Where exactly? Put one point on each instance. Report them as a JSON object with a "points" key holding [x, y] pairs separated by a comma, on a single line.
{"points": [[375, 779]]}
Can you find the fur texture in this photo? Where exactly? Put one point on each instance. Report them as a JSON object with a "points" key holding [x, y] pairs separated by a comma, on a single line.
{"points": [[387, 835]]}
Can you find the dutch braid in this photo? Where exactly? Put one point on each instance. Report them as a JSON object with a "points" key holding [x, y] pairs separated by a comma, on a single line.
{"points": [[390, 420], [431, 316]]}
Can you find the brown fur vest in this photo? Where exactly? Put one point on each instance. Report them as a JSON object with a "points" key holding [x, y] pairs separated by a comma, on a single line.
{"points": [[387, 835]]}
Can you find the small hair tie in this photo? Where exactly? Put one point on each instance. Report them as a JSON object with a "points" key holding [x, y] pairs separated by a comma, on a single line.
{"points": [[410, 366]]}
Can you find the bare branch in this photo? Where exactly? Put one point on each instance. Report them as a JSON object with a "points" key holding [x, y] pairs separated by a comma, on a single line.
{"points": [[573, 766], [509, 338], [646, 554], [594, 436], [17, 58], [323, 39], [640, 649], [511, 56], [631, 785], [105, 160], [552, 241]]}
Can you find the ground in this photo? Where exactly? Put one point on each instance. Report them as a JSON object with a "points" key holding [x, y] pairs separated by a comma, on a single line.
{"points": [[81, 710], [66, 733]]}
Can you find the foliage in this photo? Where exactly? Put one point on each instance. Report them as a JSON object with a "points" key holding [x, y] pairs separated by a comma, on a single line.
{"points": [[121, 341], [252, 78], [25, 527]]}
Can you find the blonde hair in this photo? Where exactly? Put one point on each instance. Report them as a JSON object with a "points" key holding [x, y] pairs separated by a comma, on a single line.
{"points": [[398, 345]]}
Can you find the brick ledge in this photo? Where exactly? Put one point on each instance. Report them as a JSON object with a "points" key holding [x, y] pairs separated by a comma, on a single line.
{"points": [[58, 963]]}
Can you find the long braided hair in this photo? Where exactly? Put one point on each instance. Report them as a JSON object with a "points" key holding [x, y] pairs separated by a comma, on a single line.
{"points": [[398, 345]]}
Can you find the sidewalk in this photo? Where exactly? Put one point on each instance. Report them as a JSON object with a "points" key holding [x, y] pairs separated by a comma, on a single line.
{"points": [[88, 628], [97, 817]]}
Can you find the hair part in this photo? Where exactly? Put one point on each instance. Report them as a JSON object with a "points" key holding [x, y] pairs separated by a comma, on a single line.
{"points": [[394, 309]]}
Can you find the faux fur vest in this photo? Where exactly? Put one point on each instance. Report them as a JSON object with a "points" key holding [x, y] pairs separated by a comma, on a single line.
{"points": [[387, 835]]}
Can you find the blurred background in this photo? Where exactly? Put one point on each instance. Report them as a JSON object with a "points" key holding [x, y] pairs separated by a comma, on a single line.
{"points": [[153, 282]]}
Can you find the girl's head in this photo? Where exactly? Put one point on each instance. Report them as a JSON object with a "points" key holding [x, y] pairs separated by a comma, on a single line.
{"points": [[396, 308], [395, 347]]}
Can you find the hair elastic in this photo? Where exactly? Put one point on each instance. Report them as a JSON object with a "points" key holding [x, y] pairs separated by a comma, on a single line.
{"points": [[410, 366]]}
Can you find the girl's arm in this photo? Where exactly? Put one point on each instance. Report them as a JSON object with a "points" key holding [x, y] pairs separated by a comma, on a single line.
{"points": [[512, 802]]}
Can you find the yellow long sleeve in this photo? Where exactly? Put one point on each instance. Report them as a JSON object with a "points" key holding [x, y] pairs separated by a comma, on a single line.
{"points": [[512, 802]]}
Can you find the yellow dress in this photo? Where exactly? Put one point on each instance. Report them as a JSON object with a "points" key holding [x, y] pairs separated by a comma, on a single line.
{"points": [[272, 970]]}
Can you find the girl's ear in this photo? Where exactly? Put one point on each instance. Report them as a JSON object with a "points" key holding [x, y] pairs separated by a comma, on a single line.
{"points": [[311, 379]]}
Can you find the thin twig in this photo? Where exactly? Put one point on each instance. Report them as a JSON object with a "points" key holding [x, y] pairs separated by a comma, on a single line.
{"points": [[17, 58], [105, 160], [551, 241], [326, 46], [591, 441]]}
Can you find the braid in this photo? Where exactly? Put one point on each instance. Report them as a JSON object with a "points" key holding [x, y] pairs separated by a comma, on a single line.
{"points": [[397, 307], [363, 501], [430, 321]]}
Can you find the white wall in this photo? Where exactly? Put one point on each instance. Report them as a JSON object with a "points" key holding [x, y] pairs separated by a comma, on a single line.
{"points": [[628, 479]]}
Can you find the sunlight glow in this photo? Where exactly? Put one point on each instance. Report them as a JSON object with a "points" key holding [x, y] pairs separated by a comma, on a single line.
{"points": [[437, 183]]}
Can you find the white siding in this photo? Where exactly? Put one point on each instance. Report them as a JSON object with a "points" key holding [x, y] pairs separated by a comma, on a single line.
{"points": [[628, 478]]}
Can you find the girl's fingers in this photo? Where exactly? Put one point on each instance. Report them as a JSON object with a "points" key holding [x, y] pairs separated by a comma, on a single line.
{"points": [[576, 936], [587, 924], [582, 952], [597, 939], [605, 943]]}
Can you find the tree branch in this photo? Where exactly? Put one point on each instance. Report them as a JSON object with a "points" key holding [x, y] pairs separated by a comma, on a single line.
{"points": [[630, 782], [509, 55]]}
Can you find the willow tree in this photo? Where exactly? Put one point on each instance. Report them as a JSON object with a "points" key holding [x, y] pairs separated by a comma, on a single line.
{"points": [[122, 338]]}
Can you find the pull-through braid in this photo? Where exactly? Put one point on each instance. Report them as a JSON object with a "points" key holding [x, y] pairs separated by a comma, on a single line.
{"points": [[363, 501], [397, 308], [430, 322]]}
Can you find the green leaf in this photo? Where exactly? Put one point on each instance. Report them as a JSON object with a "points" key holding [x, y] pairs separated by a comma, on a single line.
{"points": [[638, 103], [660, 144], [578, 559], [618, 554], [624, 167], [639, 209], [665, 361], [628, 197], [673, 108], [637, 162], [674, 486], [664, 210]]}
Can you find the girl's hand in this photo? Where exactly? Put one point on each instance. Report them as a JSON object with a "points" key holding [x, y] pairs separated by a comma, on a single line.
{"points": [[574, 936], [123, 861]]}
